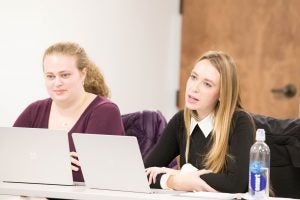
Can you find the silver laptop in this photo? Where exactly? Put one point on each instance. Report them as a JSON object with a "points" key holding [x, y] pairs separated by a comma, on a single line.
{"points": [[31, 155], [111, 162]]}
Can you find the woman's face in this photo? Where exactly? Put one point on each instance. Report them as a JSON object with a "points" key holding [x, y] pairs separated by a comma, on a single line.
{"points": [[203, 88], [63, 80]]}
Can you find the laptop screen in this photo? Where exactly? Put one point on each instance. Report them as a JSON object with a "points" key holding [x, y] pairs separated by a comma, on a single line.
{"points": [[111, 162], [32, 155]]}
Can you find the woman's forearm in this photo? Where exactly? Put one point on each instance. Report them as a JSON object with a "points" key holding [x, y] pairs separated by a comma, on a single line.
{"points": [[188, 182]]}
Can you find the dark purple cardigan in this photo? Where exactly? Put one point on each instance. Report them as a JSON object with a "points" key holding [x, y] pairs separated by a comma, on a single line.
{"points": [[100, 117]]}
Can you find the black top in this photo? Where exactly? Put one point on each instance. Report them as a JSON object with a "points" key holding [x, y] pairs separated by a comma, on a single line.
{"points": [[173, 143]]}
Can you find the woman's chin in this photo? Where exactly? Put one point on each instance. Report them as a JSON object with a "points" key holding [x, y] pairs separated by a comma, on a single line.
{"points": [[191, 106]]}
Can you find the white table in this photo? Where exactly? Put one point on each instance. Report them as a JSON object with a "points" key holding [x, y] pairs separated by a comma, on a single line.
{"points": [[12, 191], [73, 192]]}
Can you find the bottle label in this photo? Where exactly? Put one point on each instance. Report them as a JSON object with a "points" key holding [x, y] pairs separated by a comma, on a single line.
{"points": [[258, 176]]}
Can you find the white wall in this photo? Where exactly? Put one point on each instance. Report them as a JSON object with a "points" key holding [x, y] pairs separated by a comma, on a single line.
{"points": [[134, 42]]}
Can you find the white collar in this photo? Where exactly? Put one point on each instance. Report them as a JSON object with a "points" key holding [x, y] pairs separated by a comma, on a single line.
{"points": [[206, 124]]}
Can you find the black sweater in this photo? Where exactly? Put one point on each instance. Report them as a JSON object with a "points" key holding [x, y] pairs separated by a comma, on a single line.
{"points": [[173, 143]]}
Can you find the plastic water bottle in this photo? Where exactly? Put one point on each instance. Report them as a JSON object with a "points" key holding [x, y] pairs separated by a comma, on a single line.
{"points": [[259, 167]]}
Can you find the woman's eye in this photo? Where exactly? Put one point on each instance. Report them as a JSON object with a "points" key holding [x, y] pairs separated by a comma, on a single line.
{"points": [[193, 77], [50, 77], [67, 75], [207, 84]]}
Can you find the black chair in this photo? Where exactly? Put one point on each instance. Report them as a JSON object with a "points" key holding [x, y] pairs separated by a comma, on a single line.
{"points": [[283, 138]]}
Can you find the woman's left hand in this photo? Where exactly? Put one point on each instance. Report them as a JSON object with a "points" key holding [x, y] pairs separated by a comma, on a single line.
{"points": [[190, 181], [74, 161]]}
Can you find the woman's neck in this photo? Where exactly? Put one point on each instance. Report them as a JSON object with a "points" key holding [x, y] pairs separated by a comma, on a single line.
{"points": [[200, 115], [64, 116], [71, 107]]}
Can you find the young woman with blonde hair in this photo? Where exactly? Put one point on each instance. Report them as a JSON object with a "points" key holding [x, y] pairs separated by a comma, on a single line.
{"points": [[212, 135]]}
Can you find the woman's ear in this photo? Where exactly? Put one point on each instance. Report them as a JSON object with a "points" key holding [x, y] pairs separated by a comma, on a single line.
{"points": [[83, 73]]}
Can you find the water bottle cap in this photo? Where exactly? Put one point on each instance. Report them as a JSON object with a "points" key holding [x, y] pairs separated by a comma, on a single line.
{"points": [[260, 135]]}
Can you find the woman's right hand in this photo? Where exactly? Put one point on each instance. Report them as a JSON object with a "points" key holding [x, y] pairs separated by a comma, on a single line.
{"points": [[154, 171], [75, 165]]}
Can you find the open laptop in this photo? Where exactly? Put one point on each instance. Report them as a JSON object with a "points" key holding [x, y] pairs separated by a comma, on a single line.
{"points": [[32, 155], [111, 162]]}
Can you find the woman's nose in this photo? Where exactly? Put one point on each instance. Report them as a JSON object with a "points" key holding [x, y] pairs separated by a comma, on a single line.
{"points": [[57, 81], [195, 87]]}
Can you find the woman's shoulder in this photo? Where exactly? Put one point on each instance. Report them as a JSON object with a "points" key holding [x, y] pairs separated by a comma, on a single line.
{"points": [[103, 103], [40, 104], [177, 120], [179, 116], [35, 114], [242, 120], [241, 114]]}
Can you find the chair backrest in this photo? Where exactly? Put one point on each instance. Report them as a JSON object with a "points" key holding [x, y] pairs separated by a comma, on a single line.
{"points": [[147, 126], [283, 138]]}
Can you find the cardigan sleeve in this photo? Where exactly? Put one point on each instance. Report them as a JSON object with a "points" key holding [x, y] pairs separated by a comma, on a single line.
{"points": [[235, 178]]}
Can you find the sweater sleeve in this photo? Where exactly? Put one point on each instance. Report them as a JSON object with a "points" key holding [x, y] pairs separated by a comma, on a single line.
{"points": [[105, 119], [235, 178], [165, 150]]}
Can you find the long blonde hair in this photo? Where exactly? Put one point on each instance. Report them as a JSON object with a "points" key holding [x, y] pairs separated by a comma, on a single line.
{"points": [[94, 81], [228, 103]]}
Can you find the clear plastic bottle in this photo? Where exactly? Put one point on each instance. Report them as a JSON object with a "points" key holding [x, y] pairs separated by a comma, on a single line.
{"points": [[259, 167]]}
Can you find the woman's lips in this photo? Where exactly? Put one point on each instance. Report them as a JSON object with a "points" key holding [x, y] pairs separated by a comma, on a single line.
{"points": [[192, 99], [58, 92]]}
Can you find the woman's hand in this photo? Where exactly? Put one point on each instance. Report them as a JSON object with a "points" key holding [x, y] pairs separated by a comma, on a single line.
{"points": [[154, 171], [75, 165], [190, 181]]}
